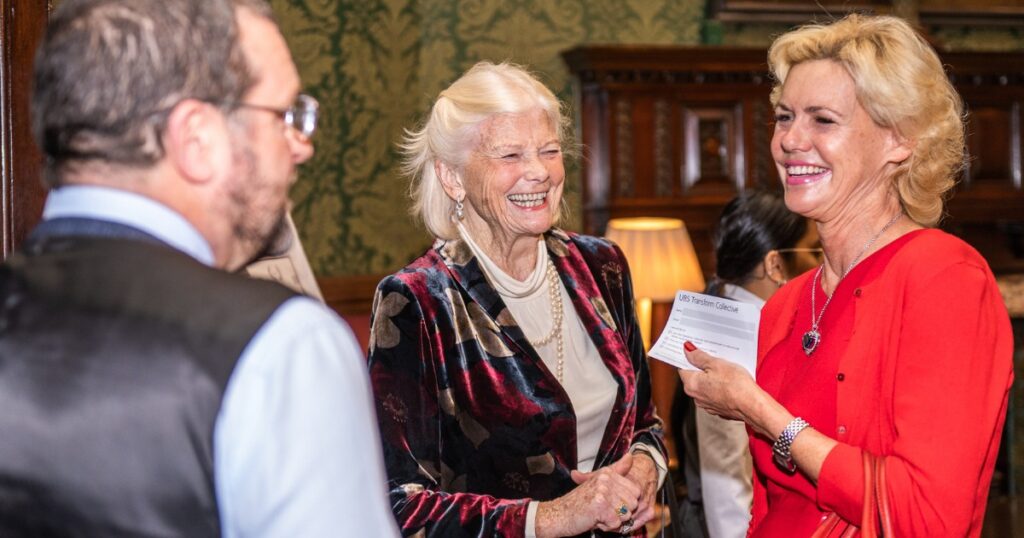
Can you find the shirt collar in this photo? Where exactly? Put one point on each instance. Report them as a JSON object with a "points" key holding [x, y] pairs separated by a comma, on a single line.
{"points": [[129, 209], [737, 293]]}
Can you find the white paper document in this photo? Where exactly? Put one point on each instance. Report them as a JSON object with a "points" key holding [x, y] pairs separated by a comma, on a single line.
{"points": [[722, 327]]}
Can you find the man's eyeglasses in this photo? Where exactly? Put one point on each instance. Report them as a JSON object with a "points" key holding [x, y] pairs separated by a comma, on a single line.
{"points": [[302, 116], [819, 254]]}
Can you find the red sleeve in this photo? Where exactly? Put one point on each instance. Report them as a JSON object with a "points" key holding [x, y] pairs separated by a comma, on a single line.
{"points": [[952, 375], [775, 317]]}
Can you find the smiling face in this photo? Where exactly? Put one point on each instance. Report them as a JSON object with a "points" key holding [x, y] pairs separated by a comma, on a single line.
{"points": [[513, 179], [833, 159]]}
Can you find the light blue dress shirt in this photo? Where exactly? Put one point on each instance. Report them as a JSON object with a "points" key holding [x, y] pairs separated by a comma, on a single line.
{"points": [[296, 445]]}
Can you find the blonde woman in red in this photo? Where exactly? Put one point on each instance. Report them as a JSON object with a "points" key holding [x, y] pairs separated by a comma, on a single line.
{"points": [[898, 346]]}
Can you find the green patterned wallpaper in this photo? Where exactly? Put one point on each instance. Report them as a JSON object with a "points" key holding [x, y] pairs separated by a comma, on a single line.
{"points": [[375, 66]]}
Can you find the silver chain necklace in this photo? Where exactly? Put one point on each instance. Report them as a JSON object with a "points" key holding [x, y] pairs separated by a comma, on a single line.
{"points": [[812, 338]]}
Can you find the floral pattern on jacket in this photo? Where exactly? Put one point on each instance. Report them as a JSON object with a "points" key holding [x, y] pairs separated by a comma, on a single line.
{"points": [[473, 423]]}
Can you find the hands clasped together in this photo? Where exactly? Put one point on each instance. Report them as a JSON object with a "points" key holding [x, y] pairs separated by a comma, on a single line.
{"points": [[618, 497]]}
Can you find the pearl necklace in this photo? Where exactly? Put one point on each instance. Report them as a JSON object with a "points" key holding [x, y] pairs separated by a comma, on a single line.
{"points": [[555, 296], [812, 338]]}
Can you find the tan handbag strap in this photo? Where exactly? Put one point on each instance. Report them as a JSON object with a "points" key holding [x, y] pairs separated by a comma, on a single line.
{"points": [[882, 498], [876, 518], [869, 516], [828, 526]]}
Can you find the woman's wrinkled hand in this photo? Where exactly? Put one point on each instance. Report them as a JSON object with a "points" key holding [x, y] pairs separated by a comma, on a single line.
{"points": [[644, 473], [723, 388], [605, 499]]}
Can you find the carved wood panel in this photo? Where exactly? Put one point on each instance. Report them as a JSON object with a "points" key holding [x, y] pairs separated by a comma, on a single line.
{"points": [[988, 207], [670, 132], [699, 118]]}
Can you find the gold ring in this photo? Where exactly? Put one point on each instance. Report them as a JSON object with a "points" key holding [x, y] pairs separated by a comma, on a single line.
{"points": [[623, 510]]}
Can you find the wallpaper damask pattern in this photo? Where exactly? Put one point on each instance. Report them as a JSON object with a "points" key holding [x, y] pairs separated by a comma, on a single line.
{"points": [[376, 65]]}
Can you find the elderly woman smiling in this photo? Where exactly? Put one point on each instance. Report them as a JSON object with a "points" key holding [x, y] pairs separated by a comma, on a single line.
{"points": [[511, 382]]}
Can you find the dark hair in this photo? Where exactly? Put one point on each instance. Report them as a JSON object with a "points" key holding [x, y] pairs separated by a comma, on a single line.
{"points": [[752, 224], [108, 73]]}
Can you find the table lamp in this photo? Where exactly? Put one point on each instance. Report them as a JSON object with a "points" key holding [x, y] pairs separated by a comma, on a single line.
{"points": [[661, 259]]}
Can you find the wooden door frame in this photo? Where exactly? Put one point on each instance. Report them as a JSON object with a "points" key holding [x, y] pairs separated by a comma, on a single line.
{"points": [[22, 23]]}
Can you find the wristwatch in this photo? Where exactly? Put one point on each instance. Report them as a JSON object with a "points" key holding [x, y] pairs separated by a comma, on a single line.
{"points": [[780, 449]]}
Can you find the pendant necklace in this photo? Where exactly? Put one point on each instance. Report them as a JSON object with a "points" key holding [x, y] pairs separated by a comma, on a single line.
{"points": [[812, 338]]}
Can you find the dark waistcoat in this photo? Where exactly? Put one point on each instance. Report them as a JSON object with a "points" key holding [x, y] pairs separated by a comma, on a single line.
{"points": [[114, 357]]}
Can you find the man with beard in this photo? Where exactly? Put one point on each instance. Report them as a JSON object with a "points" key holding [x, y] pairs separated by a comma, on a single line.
{"points": [[145, 390]]}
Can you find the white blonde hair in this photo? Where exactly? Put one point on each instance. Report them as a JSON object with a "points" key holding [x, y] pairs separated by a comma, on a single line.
{"points": [[486, 90], [900, 82]]}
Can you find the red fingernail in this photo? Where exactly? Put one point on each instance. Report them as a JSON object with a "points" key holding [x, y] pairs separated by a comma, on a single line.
{"points": [[689, 346]]}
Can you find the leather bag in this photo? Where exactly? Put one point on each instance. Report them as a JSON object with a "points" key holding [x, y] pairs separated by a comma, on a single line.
{"points": [[877, 517]]}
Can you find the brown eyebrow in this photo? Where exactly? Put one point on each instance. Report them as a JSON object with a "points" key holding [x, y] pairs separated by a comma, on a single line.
{"points": [[811, 109], [519, 147]]}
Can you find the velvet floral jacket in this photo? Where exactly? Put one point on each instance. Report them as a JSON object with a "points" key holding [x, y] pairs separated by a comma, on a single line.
{"points": [[474, 425]]}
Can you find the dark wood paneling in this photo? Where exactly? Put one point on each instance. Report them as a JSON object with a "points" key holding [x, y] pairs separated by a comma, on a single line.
{"points": [[930, 12], [349, 295], [988, 207], [21, 25], [990, 127], [718, 101], [682, 115], [791, 11]]}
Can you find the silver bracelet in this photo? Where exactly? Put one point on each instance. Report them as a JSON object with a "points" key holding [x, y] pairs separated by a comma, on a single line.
{"points": [[780, 449]]}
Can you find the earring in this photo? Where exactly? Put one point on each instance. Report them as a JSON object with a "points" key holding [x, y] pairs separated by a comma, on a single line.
{"points": [[459, 209]]}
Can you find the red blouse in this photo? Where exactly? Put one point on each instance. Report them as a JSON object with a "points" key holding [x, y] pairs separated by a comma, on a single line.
{"points": [[915, 363]]}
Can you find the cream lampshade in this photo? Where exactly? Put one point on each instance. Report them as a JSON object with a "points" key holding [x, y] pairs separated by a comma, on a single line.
{"points": [[661, 259]]}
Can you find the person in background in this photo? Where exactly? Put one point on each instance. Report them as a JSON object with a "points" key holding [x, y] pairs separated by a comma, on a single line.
{"points": [[759, 245], [145, 390], [898, 347], [512, 386]]}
